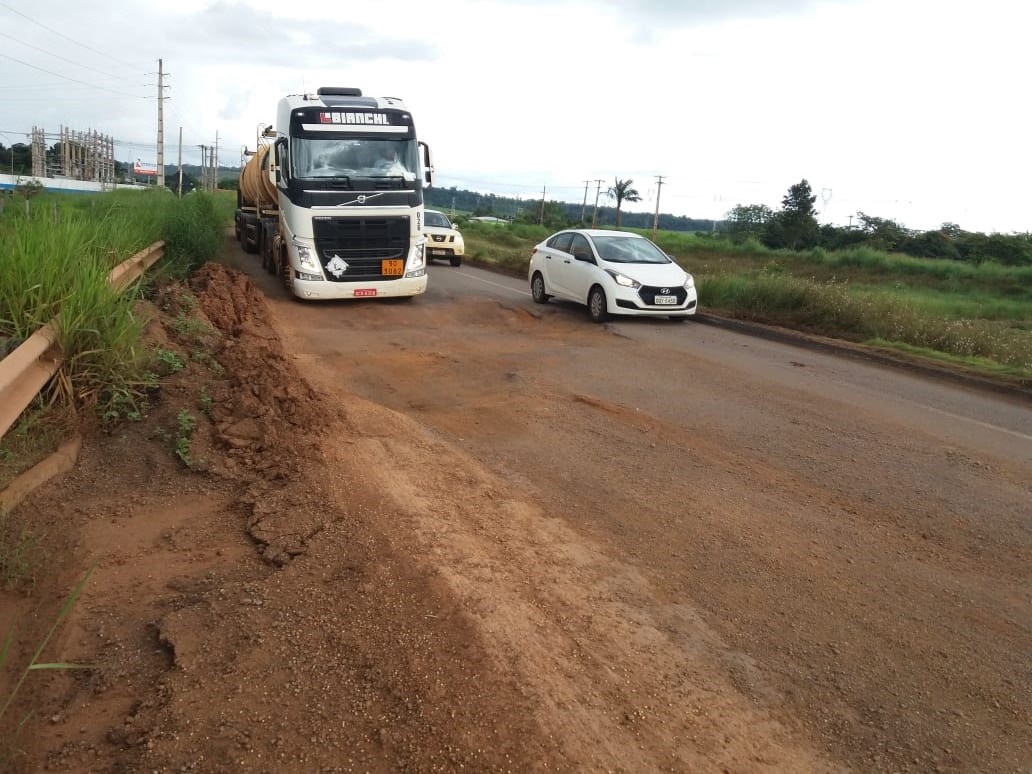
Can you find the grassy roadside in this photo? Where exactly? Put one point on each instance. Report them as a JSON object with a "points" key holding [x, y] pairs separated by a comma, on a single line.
{"points": [[55, 257], [978, 316]]}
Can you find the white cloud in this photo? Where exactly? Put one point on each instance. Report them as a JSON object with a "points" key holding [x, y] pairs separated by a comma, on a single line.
{"points": [[910, 109]]}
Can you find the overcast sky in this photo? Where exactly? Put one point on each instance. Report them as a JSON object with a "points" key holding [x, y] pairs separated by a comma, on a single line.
{"points": [[915, 110]]}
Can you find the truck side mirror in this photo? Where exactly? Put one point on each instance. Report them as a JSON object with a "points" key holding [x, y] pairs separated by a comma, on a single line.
{"points": [[281, 162], [428, 164]]}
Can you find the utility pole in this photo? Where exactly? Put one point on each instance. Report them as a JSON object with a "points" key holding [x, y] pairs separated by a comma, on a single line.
{"points": [[161, 125], [584, 205], [655, 218], [180, 189], [204, 168], [541, 220], [215, 166], [594, 213]]}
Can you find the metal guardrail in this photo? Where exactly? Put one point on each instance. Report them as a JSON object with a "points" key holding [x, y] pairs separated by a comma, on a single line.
{"points": [[26, 370]]}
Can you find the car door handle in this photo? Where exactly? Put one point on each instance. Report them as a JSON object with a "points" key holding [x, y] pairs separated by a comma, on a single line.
{"points": [[566, 261]]}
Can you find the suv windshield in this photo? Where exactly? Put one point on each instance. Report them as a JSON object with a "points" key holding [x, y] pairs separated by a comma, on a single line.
{"points": [[628, 250], [360, 157], [436, 219]]}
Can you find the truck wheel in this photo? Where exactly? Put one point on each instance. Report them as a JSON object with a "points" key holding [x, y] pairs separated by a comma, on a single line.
{"points": [[456, 260], [267, 262], [284, 271]]}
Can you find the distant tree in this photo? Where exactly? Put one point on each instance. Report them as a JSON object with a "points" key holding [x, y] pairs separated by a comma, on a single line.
{"points": [[622, 192], [799, 200], [882, 233], [795, 224], [840, 237], [744, 220], [930, 244], [16, 160]]}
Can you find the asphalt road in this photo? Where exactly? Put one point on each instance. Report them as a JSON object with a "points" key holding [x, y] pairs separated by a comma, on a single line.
{"points": [[980, 419]]}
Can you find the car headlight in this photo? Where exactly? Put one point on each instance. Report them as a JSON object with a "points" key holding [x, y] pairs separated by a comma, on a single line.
{"points": [[626, 282], [305, 256], [689, 282]]}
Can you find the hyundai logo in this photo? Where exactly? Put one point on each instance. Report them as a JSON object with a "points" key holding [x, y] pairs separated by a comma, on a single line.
{"points": [[664, 291]]}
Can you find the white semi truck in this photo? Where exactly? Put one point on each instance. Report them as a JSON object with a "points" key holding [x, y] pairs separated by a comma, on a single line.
{"points": [[332, 197]]}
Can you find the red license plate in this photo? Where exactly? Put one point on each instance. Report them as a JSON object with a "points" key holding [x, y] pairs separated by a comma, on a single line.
{"points": [[359, 292]]}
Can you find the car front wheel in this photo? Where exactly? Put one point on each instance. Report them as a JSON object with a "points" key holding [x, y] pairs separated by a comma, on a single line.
{"points": [[597, 305], [537, 289], [456, 260]]}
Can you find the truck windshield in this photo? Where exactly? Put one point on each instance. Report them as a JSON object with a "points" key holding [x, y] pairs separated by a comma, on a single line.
{"points": [[360, 157]]}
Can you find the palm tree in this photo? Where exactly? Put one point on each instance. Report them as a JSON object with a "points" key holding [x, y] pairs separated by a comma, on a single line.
{"points": [[622, 192]]}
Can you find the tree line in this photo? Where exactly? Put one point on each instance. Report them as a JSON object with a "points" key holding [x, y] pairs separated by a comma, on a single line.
{"points": [[794, 227]]}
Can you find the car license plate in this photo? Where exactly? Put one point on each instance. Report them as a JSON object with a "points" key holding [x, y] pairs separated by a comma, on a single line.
{"points": [[665, 300], [359, 292], [392, 267], [438, 252]]}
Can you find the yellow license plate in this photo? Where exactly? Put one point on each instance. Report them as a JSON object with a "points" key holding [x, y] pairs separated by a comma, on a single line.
{"points": [[392, 267]]}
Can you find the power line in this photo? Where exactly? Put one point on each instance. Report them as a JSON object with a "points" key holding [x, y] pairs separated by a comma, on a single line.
{"points": [[62, 58], [73, 80], [62, 35]]}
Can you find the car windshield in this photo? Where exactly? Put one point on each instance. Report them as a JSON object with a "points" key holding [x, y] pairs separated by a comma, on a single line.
{"points": [[359, 157], [432, 218], [628, 250]]}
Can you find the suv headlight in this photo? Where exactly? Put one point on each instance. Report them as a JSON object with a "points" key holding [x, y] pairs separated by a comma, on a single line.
{"points": [[626, 282]]}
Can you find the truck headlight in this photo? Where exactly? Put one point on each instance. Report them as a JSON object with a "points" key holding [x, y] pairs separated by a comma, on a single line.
{"points": [[418, 257], [305, 256]]}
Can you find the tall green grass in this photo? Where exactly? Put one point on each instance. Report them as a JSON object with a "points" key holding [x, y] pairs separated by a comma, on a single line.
{"points": [[55, 261], [830, 308]]}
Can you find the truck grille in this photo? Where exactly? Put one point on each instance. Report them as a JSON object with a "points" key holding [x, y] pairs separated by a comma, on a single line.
{"points": [[362, 243]]}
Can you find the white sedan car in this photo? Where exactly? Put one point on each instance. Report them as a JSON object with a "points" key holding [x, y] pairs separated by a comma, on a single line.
{"points": [[611, 272]]}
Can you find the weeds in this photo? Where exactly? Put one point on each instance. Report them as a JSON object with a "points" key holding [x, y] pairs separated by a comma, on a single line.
{"points": [[35, 664], [21, 553], [205, 402], [169, 361], [184, 434]]}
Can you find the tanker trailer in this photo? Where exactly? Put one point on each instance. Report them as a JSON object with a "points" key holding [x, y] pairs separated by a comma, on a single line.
{"points": [[257, 213]]}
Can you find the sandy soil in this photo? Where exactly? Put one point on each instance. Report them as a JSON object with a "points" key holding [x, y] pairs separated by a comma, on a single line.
{"points": [[421, 560]]}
